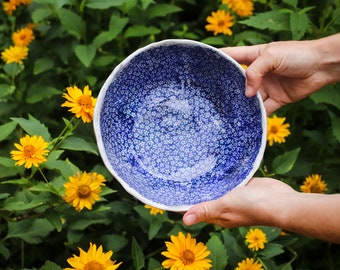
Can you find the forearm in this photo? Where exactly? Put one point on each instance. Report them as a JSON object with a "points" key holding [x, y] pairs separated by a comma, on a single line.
{"points": [[314, 215]]}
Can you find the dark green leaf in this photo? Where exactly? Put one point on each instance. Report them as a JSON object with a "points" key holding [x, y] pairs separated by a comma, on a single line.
{"points": [[7, 129], [335, 126], [37, 93], [4, 251], [271, 250], [161, 10], [292, 3], [104, 4], [50, 266], [33, 126], [42, 65], [32, 231], [330, 94], [146, 3], [6, 89], [79, 144], [137, 255], [41, 13], [115, 242], [72, 22], [272, 20], [54, 218], [141, 31], [13, 69], [85, 53], [298, 24], [284, 163], [218, 253]]}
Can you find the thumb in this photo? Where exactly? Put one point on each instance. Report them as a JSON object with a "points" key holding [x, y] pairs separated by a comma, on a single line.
{"points": [[203, 212], [255, 73]]}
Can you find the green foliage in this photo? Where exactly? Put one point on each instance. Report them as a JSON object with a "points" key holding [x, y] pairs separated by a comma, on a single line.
{"points": [[80, 43]]}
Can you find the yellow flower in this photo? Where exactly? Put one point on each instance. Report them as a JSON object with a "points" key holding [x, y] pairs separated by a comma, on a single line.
{"points": [[81, 103], [256, 239], [93, 259], [153, 210], [184, 254], [31, 151], [14, 54], [220, 22], [241, 7], [82, 190], [23, 37], [9, 7], [314, 184], [277, 130], [249, 264]]}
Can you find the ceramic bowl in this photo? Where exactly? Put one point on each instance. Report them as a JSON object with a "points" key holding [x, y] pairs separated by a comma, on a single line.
{"points": [[174, 126]]}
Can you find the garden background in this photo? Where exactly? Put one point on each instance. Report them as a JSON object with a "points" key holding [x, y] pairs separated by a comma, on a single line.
{"points": [[78, 43]]}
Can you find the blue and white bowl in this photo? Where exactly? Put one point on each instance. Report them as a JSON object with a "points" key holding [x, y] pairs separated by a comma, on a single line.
{"points": [[174, 126]]}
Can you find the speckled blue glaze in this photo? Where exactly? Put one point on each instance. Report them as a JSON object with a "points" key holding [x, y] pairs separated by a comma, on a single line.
{"points": [[174, 127]]}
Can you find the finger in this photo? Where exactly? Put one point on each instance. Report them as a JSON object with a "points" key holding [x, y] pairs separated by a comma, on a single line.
{"points": [[243, 54], [203, 212], [271, 106]]}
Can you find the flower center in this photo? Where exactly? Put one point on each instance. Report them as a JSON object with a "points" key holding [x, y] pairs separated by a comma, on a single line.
{"points": [[93, 265], [29, 151], [188, 257], [274, 129], [221, 23], [85, 101], [84, 191]]}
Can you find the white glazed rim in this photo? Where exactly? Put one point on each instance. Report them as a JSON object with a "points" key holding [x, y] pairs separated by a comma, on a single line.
{"points": [[99, 104]]}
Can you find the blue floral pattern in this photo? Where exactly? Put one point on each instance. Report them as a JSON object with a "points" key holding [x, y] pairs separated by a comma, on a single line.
{"points": [[174, 127]]}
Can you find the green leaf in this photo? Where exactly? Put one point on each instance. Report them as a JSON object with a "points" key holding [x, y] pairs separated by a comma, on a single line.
{"points": [[7, 129], [72, 22], [13, 69], [216, 41], [218, 253], [137, 255], [4, 251], [85, 53], [104, 4], [141, 31], [146, 3], [42, 65], [272, 20], [298, 24], [6, 89], [292, 3], [18, 182], [41, 13], [37, 93], [284, 163], [32, 231], [271, 250], [161, 10], [79, 144], [54, 218], [115, 242], [33, 126], [329, 94], [65, 167], [50, 266], [335, 126]]}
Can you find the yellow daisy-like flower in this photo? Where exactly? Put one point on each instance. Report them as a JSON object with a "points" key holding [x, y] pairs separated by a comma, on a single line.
{"points": [[256, 239], [14, 54], [314, 184], [249, 264], [93, 259], [23, 37], [277, 131], [80, 103], [31, 151], [83, 190], [184, 254], [9, 7], [242, 7], [220, 22], [153, 210]]}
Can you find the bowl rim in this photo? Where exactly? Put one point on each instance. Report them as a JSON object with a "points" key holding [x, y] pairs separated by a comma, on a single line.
{"points": [[100, 101]]}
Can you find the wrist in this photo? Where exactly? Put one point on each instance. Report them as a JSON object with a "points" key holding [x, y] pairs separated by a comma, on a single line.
{"points": [[329, 58]]}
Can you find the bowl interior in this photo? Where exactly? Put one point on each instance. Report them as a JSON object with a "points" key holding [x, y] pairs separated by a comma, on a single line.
{"points": [[174, 127]]}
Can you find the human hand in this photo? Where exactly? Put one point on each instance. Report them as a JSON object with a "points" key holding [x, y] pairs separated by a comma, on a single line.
{"points": [[256, 203], [285, 72]]}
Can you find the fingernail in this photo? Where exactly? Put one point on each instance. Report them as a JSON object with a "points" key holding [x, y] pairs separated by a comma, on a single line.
{"points": [[249, 90], [190, 219]]}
